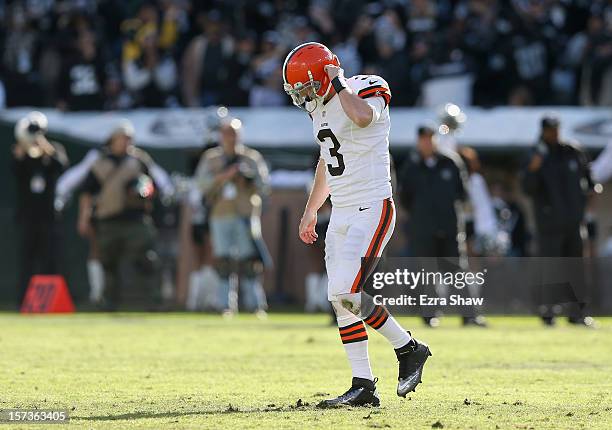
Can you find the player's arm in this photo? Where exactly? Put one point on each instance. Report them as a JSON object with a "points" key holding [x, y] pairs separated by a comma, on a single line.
{"points": [[318, 195], [355, 107]]}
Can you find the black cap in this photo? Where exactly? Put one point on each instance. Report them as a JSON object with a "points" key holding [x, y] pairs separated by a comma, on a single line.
{"points": [[425, 129], [550, 121]]}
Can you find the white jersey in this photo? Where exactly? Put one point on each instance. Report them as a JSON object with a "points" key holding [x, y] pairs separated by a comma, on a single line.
{"points": [[357, 159]]}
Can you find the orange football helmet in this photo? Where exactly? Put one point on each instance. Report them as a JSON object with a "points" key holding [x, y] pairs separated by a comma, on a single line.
{"points": [[304, 76]]}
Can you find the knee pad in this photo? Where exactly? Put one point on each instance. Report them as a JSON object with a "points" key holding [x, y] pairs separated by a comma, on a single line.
{"points": [[350, 302], [224, 267], [250, 268], [359, 304]]}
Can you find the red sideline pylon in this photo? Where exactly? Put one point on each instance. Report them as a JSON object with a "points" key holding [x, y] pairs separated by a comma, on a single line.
{"points": [[47, 294]]}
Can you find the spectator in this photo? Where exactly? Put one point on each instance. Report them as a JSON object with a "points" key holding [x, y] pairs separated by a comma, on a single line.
{"points": [[234, 180], [239, 73], [37, 164], [511, 220], [116, 201], [488, 238], [267, 69], [544, 52], [485, 26], [149, 71], [20, 57], [530, 50], [205, 61], [597, 64], [83, 77], [558, 179]]}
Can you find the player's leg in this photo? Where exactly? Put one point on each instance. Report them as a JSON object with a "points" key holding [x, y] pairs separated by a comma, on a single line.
{"points": [[353, 333], [354, 337], [371, 229]]}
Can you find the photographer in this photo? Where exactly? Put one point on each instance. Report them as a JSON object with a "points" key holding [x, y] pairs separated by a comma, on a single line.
{"points": [[116, 201], [37, 164], [234, 180]]}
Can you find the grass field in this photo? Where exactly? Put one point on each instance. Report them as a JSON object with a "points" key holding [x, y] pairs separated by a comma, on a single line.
{"points": [[195, 371]]}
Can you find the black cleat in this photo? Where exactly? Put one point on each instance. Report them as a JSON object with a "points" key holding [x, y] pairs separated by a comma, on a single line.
{"points": [[478, 321], [583, 321], [362, 393], [549, 321], [412, 358], [431, 322]]}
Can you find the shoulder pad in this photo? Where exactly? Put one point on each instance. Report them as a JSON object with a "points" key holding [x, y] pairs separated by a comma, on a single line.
{"points": [[370, 86]]}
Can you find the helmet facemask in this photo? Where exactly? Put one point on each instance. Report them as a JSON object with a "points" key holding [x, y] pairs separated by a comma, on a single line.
{"points": [[303, 94]]}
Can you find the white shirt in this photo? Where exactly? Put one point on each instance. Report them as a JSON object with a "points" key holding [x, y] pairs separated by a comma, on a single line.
{"points": [[601, 169], [357, 159], [485, 221]]}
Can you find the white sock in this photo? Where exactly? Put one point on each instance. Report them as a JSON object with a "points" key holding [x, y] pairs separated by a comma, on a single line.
{"points": [[385, 324], [95, 273], [312, 283], [193, 293], [355, 339], [209, 287]]}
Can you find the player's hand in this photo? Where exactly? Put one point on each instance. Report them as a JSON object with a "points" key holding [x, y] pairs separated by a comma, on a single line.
{"points": [[333, 71], [308, 235]]}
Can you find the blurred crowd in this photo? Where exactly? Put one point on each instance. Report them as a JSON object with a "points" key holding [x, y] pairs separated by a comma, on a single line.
{"points": [[118, 54]]}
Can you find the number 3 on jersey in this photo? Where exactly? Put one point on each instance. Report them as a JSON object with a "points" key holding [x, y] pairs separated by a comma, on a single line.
{"points": [[338, 170]]}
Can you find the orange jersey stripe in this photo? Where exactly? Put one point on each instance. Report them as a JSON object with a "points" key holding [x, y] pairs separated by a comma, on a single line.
{"points": [[382, 225], [349, 330], [376, 92], [386, 228], [355, 336], [380, 321], [374, 315]]}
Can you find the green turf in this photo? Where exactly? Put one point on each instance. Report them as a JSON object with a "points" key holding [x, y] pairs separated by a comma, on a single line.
{"points": [[193, 371]]}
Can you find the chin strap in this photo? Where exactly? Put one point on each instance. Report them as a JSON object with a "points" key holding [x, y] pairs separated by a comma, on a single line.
{"points": [[327, 90]]}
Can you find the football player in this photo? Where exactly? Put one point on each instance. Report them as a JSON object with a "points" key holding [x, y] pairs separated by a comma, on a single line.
{"points": [[350, 118]]}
